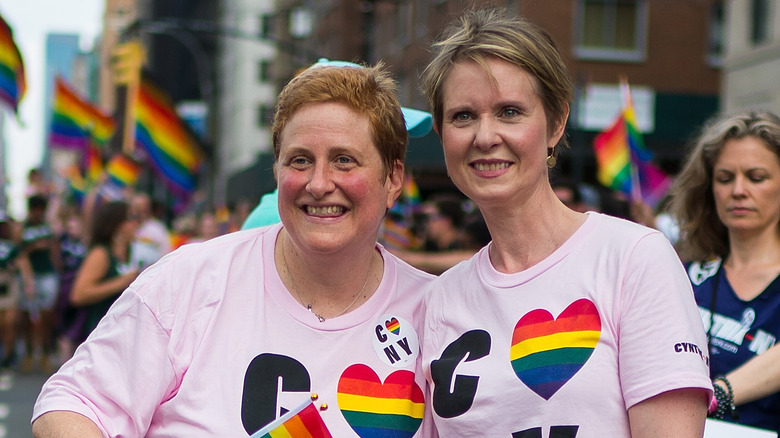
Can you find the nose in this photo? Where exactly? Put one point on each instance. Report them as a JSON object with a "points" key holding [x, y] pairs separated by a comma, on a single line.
{"points": [[739, 189], [487, 135], [320, 181]]}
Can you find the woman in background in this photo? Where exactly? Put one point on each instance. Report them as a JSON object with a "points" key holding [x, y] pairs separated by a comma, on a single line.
{"points": [[104, 273], [727, 201]]}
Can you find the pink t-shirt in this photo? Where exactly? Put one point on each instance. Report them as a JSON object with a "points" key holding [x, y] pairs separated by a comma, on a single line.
{"points": [[208, 342], [566, 346]]}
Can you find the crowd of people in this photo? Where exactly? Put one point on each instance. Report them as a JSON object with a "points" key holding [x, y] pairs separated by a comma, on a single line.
{"points": [[548, 311], [63, 266]]}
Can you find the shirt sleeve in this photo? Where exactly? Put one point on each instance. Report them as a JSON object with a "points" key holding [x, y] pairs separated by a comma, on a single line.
{"points": [[120, 375], [662, 345]]}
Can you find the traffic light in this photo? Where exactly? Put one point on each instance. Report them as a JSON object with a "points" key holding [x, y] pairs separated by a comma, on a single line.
{"points": [[126, 62]]}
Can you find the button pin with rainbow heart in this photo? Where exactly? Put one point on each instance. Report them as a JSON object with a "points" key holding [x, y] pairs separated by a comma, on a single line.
{"points": [[395, 341], [547, 352]]}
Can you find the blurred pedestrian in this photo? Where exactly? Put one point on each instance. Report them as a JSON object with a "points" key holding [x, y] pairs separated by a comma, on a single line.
{"points": [[567, 322], [152, 239], [727, 201], [107, 269], [39, 265], [9, 291], [70, 319]]}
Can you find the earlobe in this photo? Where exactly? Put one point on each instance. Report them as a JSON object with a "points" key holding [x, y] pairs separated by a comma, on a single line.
{"points": [[395, 180]]}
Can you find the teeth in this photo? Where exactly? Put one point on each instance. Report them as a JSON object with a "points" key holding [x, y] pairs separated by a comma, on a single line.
{"points": [[324, 211], [492, 166]]}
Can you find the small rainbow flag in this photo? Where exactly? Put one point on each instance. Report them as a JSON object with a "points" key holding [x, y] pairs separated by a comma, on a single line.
{"points": [[93, 164], [12, 82], [624, 164], [302, 422], [172, 151], [75, 122], [76, 183], [123, 170]]}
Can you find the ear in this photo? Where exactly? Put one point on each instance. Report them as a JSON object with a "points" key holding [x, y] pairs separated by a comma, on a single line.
{"points": [[558, 133], [395, 183]]}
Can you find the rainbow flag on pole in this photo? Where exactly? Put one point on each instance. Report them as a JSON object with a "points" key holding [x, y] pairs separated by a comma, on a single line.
{"points": [[123, 170], [302, 422], [75, 122], [624, 164], [12, 82], [171, 150]]}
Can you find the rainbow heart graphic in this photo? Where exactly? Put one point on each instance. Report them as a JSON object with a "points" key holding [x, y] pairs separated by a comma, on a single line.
{"points": [[380, 410], [393, 325], [546, 352]]}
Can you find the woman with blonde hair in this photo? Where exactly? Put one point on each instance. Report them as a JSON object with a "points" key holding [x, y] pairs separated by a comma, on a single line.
{"points": [[567, 323], [727, 202]]}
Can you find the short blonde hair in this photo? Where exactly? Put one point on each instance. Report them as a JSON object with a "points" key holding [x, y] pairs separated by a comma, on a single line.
{"points": [[494, 33]]}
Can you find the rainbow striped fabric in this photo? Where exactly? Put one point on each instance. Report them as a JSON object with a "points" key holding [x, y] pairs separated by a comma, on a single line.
{"points": [[122, 170], [380, 410], [302, 422], [93, 164], [12, 82], [171, 150], [76, 124], [624, 164], [546, 352]]}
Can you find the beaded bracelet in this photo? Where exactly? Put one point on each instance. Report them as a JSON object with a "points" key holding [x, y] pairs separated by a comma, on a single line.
{"points": [[724, 399]]}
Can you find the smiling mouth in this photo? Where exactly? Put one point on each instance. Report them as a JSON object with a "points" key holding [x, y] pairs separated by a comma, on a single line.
{"points": [[490, 166], [329, 211]]}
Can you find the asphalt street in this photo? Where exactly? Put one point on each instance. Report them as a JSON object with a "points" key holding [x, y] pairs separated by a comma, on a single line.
{"points": [[17, 396]]}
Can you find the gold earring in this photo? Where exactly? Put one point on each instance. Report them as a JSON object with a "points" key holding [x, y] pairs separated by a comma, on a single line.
{"points": [[551, 160]]}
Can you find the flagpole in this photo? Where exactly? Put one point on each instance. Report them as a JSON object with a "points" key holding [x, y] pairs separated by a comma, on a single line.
{"points": [[625, 94], [3, 172]]}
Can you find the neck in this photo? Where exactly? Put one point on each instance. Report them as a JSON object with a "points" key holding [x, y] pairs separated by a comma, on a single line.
{"points": [[327, 287], [754, 249], [524, 236]]}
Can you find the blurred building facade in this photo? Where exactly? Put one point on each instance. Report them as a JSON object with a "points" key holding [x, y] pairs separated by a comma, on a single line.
{"points": [[232, 57], [752, 55]]}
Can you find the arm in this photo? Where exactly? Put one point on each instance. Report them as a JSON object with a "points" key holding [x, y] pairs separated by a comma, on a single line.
{"points": [[678, 413], [756, 378], [64, 424], [25, 269], [89, 288]]}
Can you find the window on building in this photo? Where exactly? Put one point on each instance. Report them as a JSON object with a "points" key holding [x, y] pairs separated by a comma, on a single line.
{"points": [[715, 34], [265, 115], [263, 69], [267, 27], [614, 30], [759, 29]]}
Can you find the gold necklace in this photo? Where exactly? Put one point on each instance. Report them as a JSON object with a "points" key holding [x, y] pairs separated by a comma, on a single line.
{"points": [[308, 306]]}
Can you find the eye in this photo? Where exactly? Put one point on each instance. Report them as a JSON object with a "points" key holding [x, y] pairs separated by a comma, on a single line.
{"points": [[723, 179], [298, 162], [461, 116], [757, 178], [510, 112], [343, 159]]}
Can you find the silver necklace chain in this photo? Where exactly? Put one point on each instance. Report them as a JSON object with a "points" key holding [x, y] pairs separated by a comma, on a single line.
{"points": [[308, 306]]}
